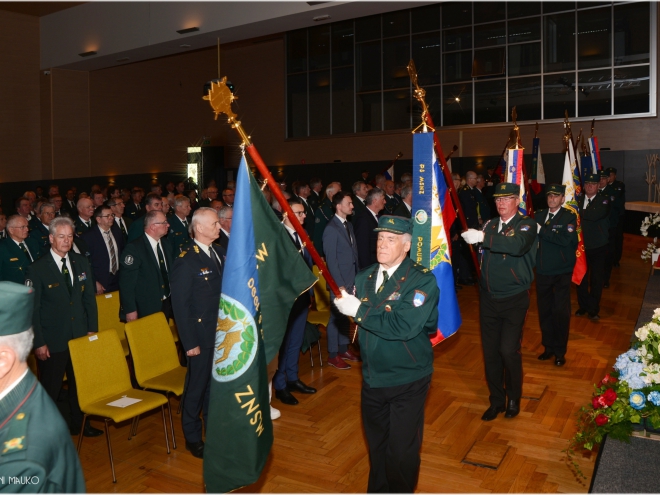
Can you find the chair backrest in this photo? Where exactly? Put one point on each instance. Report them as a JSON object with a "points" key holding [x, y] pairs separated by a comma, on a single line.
{"points": [[108, 309], [100, 367], [321, 293], [152, 346]]}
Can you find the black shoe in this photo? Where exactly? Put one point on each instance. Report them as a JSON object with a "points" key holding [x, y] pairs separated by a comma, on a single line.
{"points": [[196, 449], [560, 361], [512, 408], [606, 286], [492, 412], [581, 312], [300, 387], [88, 431], [546, 355], [594, 318], [285, 396]]}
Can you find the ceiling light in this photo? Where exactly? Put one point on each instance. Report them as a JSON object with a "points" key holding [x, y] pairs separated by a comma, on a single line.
{"points": [[321, 18], [184, 46], [187, 30], [125, 59], [87, 54]]}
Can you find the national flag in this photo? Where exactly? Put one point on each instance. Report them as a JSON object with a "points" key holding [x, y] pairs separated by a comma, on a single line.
{"points": [[571, 180], [449, 164], [595, 155], [515, 175], [433, 215], [538, 173], [389, 173], [264, 274]]}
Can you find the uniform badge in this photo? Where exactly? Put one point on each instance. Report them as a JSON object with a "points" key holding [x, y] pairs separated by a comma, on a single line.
{"points": [[29, 283], [524, 228], [388, 308], [604, 201], [82, 277], [205, 271], [394, 296], [509, 232], [570, 228], [128, 259], [418, 298], [13, 444]]}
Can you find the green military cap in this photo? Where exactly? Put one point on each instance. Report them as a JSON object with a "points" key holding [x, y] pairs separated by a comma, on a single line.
{"points": [[394, 224], [603, 174], [610, 170], [592, 178], [506, 189], [557, 189], [16, 308]]}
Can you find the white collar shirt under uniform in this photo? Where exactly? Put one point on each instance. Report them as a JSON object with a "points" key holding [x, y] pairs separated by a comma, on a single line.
{"points": [[154, 245], [390, 271], [58, 263]]}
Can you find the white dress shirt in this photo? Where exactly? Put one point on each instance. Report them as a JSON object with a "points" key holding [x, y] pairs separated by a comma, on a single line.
{"points": [[390, 272], [58, 263]]}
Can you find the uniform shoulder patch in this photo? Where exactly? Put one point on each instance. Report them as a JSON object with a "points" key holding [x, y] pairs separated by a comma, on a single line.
{"points": [[524, 228], [570, 227], [129, 259], [418, 298]]}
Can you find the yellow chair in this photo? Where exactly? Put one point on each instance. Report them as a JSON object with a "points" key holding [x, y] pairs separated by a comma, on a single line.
{"points": [[102, 377], [321, 315], [155, 359], [108, 308]]}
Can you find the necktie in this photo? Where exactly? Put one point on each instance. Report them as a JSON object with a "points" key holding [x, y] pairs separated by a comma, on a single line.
{"points": [[89, 224], [503, 228], [348, 232], [185, 224], [588, 202], [67, 277], [296, 240], [386, 277], [550, 217], [25, 250], [113, 254], [122, 227], [215, 259], [163, 271]]}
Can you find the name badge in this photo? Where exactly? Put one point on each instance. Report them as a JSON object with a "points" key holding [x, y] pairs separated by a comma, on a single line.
{"points": [[51, 286]]}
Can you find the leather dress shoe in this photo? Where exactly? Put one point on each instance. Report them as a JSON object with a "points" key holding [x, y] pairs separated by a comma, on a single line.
{"points": [[594, 317], [286, 397], [492, 412], [196, 448], [88, 431], [300, 387], [560, 361], [581, 312], [545, 356], [512, 408]]}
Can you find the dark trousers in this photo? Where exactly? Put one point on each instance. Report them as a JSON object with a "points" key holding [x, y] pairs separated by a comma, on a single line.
{"points": [[337, 330], [591, 288], [196, 394], [553, 295], [611, 254], [51, 374], [618, 246], [501, 332], [393, 419], [166, 308], [287, 369]]}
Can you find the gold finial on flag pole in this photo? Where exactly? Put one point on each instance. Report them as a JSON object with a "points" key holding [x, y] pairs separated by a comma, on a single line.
{"points": [[419, 94]]}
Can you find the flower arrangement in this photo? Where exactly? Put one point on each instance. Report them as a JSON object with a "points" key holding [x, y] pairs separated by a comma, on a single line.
{"points": [[650, 228]]}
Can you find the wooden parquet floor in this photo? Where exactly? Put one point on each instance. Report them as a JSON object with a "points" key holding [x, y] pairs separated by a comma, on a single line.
{"points": [[320, 447]]}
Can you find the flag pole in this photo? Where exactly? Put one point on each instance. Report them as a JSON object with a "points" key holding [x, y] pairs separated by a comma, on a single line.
{"points": [[220, 97], [419, 94]]}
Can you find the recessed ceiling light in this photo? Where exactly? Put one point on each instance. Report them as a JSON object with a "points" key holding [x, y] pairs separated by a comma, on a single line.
{"points": [[321, 18], [87, 54], [184, 46], [123, 59], [187, 30]]}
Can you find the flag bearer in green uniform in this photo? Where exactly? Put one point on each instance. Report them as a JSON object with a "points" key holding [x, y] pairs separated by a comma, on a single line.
{"points": [[36, 451]]}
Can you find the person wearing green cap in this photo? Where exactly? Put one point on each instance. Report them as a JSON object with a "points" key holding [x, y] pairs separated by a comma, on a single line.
{"points": [[396, 309], [617, 212], [36, 452], [508, 255], [620, 190], [555, 259]]}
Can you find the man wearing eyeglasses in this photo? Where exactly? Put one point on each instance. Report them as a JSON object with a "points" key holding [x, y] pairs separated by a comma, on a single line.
{"points": [[40, 233], [228, 197], [17, 251], [508, 256], [123, 223], [105, 244]]}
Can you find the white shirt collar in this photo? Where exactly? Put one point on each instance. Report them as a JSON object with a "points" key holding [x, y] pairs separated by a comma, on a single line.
{"points": [[204, 248], [226, 233], [11, 387]]}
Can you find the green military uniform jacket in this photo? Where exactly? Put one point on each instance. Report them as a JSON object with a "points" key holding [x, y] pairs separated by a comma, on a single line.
{"points": [[617, 203], [395, 324], [595, 221], [58, 316], [558, 241], [136, 230], [14, 262], [178, 236], [322, 216], [35, 445], [402, 210], [508, 257], [80, 227], [40, 234]]}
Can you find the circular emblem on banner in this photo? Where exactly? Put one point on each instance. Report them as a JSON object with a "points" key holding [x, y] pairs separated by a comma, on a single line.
{"points": [[235, 340], [421, 217]]}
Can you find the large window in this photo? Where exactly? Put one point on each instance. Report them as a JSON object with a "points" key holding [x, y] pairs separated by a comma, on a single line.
{"points": [[476, 61]]}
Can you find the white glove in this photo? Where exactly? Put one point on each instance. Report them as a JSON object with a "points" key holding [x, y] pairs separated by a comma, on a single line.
{"points": [[347, 304], [473, 236]]}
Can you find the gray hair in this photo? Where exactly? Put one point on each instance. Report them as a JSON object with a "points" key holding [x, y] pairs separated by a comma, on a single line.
{"points": [[180, 199], [21, 343], [222, 213], [58, 222], [150, 218], [406, 191], [12, 220], [45, 205], [195, 218], [357, 185], [373, 194]]}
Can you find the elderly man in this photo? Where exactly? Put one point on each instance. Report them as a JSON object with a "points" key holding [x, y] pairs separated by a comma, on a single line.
{"points": [[84, 220], [123, 224], [154, 202], [395, 307], [404, 209], [64, 309], [134, 208], [508, 255], [228, 197], [179, 237], [69, 205], [105, 244], [360, 191], [226, 214], [365, 235], [28, 417], [17, 251], [40, 233]]}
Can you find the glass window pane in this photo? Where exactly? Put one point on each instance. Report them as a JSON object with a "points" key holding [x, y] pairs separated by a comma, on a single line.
{"points": [[296, 51], [524, 59], [523, 9], [490, 62], [457, 39], [342, 100], [551, 7], [368, 112], [367, 28], [586, 5], [525, 95], [489, 11], [559, 95], [594, 93], [425, 18], [525, 30], [559, 49], [319, 47], [594, 38], [456, 14], [319, 100], [426, 54], [396, 55], [342, 43], [631, 90], [457, 66], [296, 103], [457, 104], [490, 101], [631, 34], [396, 109], [396, 23], [489, 35], [368, 66]]}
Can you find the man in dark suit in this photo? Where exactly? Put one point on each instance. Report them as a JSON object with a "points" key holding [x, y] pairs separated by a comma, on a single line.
{"points": [[17, 251], [315, 186], [302, 191], [341, 256], [123, 223], [391, 201], [365, 224], [196, 287], [144, 286], [69, 204], [56, 199], [225, 215], [3, 226], [64, 309], [469, 201], [154, 202], [23, 208], [323, 214], [404, 209], [105, 244], [135, 209], [84, 221], [178, 236], [359, 199], [40, 233]]}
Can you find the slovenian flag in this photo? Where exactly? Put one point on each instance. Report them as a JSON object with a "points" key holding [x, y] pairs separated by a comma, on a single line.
{"points": [[595, 155], [515, 175]]}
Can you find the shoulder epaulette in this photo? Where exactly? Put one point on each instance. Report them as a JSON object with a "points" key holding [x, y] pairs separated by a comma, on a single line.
{"points": [[196, 248], [183, 253]]}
